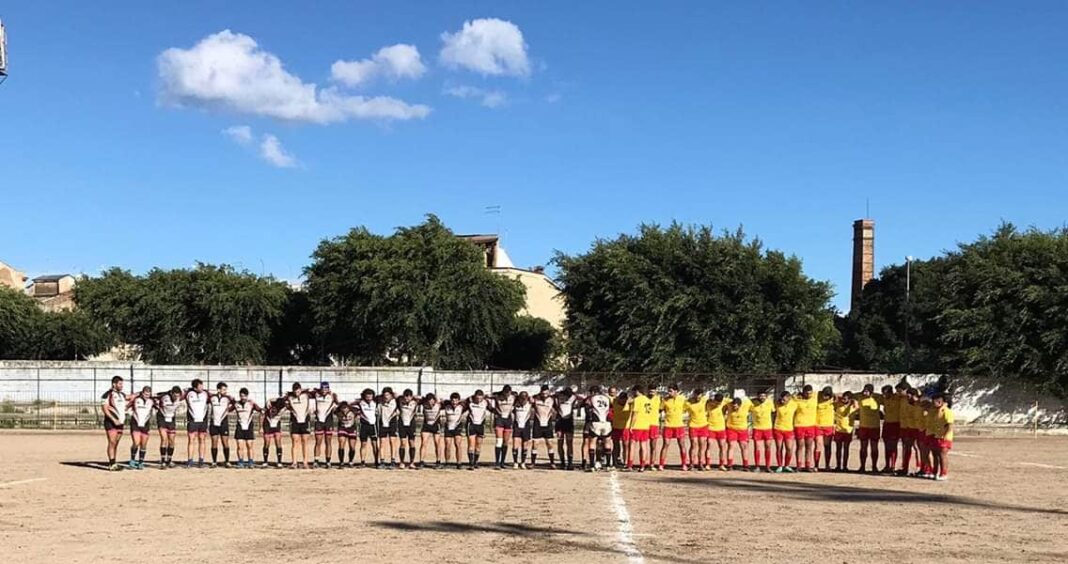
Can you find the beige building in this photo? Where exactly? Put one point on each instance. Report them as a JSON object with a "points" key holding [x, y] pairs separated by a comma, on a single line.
{"points": [[543, 295], [12, 278], [54, 292]]}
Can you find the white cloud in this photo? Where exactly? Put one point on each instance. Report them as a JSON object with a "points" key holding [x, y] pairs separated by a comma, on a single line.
{"points": [[241, 134], [488, 98], [272, 151], [229, 71], [489, 46], [393, 62]]}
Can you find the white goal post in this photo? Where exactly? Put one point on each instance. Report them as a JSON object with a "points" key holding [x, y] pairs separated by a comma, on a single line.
{"points": [[3, 50]]}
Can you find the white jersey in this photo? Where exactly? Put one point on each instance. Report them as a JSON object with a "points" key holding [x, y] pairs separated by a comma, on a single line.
{"points": [[142, 410], [246, 410], [324, 405], [454, 415], [220, 409], [166, 408], [196, 404], [407, 411], [597, 408], [543, 410], [431, 413], [522, 414], [116, 401], [368, 411], [565, 408], [504, 406], [477, 411], [387, 410], [300, 406]]}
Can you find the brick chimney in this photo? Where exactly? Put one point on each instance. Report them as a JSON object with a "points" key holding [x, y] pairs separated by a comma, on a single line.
{"points": [[863, 258]]}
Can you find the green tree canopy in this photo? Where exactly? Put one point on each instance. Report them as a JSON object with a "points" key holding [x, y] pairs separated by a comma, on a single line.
{"points": [[204, 315], [531, 344], [418, 296], [683, 299], [28, 333]]}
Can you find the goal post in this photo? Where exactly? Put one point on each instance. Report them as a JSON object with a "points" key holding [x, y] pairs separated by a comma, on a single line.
{"points": [[3, 50]]}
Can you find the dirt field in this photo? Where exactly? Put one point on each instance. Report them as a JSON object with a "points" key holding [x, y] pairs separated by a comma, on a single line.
{"points": [[1007, 500]]}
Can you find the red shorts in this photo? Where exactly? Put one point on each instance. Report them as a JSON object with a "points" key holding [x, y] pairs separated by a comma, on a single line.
{"points": [[908, 434], [620, 434], [718, 435], [654, 432], [943, 444], [698, 432], [891, 431], [805, 432], [840, 437], [868, 434], [824, 431], [738, 436], [637, 435], [763, 435], [781, 436], [674, 433]]}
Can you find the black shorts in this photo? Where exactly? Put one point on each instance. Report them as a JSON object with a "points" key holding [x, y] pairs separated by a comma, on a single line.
{"points": [[457, 432], [523, 433], [503, 423], [476, 429], [110, 425], [196, 426], [219, 430], [296, 428], [368, 431], [162, 423], [244, 434], [432, 428], [135, 428], [407, 431], [322, 427], [544, 432], [346, 432], [390, 429], [566, 426]]}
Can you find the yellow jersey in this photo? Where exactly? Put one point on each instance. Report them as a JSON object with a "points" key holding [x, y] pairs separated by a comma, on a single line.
{"points": [[784, 415], [825, 413], [673, 410], [805, 415], [620, 414], [869, 412], [911, 415], [642, 416], [761, 413], [696, 411], [944, 421], [843, 418], [892, 408], [654, 417], [717, 420], [738, 416]]}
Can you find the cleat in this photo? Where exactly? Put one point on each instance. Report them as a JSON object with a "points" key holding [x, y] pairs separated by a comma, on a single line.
{"points": [[779, 470], [189, 463], [789, 470], [941, 478], [723, 468], [756, 470], [114, 467]]}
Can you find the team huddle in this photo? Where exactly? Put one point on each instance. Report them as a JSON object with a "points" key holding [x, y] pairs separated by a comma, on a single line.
{"points": [[801, 429]]}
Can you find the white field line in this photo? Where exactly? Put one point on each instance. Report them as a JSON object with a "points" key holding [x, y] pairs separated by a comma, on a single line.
{"points": [[17, 482], [1040, 465], [964, 454], [625, 535]]}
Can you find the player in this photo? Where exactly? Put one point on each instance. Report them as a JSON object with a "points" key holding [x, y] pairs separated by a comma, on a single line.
{"points": [[367, 409], [738, 430], [388, 427], [892, 400], [674, 406], [597, 435], [621, 409], [502, 407], [271, 428], [245, 432], [923, 439], [544, 405], [911, 428], [763, 433], [940, 428], [325, 403], [825, 426], [455, 416], [166, 416], [219, 430], [299, 404], [196, 412], [347, 433], [567, 402], [521, 430], [430, 432], [844, 414], [408, 408], [783, 430], [477, 407], [114, 408], [641, 418], [805, 428], [656, 406], [696, 406], [142, 406], [869, 414]]}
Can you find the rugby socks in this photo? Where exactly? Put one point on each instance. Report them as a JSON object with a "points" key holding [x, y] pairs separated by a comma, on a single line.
{"points": [[266, 453], [533, 456], [592, 453], [133, 453], [411, 454], [552, 458], [162, 455], [524, 457], [352, 455], [226, 454], [214, 455], [278, 454], [515, 456], [141, 456], [341, 455]]}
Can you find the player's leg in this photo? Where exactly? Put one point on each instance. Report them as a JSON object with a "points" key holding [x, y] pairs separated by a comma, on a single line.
{"points": [[862, 435]]}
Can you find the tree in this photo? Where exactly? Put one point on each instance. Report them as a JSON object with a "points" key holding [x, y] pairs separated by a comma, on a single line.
{"points": [[205, 315], [28, 333], [531, 344], [420, 296], [18, 318], [682, 299], [293, 336]]}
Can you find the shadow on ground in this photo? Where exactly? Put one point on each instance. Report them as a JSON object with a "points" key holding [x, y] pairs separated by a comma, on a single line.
{"points": [[570, 540], [830, 492]]}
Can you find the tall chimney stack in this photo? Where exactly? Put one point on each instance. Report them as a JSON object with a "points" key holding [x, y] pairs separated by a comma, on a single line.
{"points": [[863, 258]]}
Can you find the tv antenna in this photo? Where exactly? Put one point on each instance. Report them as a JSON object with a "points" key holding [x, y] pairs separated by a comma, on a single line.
{"points": [[494, 210], [3, 53]]}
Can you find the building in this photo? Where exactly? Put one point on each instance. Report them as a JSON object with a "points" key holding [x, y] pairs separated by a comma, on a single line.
{"points": [[863, 258], [54, 292], [543, 298], [11, 278]]}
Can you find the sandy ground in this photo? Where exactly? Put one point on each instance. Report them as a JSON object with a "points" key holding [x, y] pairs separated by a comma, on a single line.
{"points": [[1007, 501]]}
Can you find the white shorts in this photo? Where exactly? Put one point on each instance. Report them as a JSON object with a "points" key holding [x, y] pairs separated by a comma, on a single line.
{"points": [[599, 429]]}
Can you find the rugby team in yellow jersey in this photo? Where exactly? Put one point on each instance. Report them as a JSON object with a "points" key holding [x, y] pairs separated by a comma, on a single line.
{"points": [[791, 433]]}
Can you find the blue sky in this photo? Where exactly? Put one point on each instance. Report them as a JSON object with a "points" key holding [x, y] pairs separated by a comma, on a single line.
{"points": [[579, 119]]}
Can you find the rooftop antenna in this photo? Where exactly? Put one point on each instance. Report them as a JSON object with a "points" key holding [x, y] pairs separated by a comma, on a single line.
{"points": [[3, 53], [494, 210]]}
